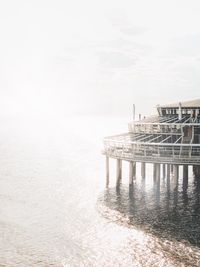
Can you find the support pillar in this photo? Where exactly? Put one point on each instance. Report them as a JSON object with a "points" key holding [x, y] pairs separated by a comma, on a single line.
{"points": [[176, 173], [143, 169], [134, 170], [168, 170], [107, 171], [131, 172], [154, 171], [164, 170], [185, 171], [185, 177], [196, 170], [119, 172], [171, 167], [158, 171]]}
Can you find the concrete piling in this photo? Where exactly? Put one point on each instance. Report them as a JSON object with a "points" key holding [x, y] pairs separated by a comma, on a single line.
{"points": [[196, 170], [154, 171], [176, 173], [119, 172], [107, 171], [134, 170], [143, 170], [185, 171], [158, 171], [130, 173], [168, 170], [164, 170], [172, 166], [185, 176]]}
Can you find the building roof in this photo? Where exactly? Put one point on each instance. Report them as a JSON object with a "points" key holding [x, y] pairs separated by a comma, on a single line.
{"points": [[185, 104]]}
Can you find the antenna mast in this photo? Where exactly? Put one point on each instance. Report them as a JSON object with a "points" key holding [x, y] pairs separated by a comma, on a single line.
{"points": [[133, 112]]}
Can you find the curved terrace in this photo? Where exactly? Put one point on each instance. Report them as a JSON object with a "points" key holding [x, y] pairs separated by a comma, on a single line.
{"points": [[171, 137]]}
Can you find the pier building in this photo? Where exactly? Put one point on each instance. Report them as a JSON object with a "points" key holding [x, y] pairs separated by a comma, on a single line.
{"points": [[167, 140]]}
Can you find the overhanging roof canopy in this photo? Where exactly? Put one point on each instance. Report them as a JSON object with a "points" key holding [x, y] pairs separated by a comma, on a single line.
{"points": [[186, 104]]}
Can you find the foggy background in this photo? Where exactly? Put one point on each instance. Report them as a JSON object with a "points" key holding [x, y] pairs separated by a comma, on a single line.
{"points": [[97, 57]]}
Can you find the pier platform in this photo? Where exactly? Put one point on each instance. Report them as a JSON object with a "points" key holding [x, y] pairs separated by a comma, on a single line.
{"points": [[170, 138]]}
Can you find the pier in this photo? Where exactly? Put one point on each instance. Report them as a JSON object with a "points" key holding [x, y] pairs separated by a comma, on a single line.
{"points": [[168, 141]]}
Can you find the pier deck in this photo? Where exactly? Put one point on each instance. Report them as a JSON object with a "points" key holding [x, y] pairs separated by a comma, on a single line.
{"points": [[172, 137]]}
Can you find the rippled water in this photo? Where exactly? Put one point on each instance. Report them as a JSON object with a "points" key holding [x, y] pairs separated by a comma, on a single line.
{"points": [[55, 211], [169, 212]]}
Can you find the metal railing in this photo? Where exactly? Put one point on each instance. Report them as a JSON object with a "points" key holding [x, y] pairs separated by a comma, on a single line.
{"points": [[153, 152]]}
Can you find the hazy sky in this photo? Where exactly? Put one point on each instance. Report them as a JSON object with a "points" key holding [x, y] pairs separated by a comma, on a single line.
{"points": [[97, 57]]}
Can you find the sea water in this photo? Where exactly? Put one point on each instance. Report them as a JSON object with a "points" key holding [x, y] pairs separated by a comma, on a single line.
{"points": [[55, 210]]}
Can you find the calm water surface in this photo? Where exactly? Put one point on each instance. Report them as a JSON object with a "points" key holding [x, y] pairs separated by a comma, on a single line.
{"points": [[55, 211]]}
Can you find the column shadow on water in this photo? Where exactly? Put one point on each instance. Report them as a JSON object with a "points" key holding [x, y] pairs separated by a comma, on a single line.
{"points": [[169, 211]]}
